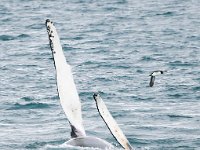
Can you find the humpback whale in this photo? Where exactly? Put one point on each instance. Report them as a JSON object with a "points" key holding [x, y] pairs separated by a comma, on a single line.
{"points": [[153, 74], [70, 102]]}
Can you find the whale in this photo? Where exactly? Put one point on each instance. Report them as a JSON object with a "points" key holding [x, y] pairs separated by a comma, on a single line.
{"points": [[71, 104]]}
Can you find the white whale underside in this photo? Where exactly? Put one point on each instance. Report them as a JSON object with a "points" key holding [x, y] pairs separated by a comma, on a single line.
{"points": [[70, 102], [89, 141]]}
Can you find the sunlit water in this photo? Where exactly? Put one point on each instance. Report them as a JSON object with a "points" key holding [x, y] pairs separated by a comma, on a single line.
{"points": [[112, 46]]}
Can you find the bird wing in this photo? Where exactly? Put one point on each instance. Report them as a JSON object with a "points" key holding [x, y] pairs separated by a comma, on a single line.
{"points": [[152, 81]]}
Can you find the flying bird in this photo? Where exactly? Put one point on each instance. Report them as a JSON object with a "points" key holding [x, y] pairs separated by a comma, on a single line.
{"points": [[153, 74]]}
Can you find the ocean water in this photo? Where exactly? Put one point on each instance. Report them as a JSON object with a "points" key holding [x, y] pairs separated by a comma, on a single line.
{"points": [[112, 47]]}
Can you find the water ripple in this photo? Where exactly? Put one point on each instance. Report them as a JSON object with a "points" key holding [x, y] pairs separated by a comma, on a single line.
{"points": [[112, 47], [33, 105]]}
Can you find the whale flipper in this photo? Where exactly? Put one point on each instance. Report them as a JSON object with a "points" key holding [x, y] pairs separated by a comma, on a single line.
{"points": [[111, 123], [70, 102], [67, 91]]}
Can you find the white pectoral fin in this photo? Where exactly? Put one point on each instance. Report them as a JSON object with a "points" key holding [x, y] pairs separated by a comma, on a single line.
{"points": [[67, 91], [111, 123]]}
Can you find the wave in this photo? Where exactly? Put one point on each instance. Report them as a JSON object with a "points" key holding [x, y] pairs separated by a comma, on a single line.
{"points": [[23, 36], [6, 37], [9, 37], [32, 105], [181, 64], [26, 98], [57, 145], [168, 13], [179, 116]]}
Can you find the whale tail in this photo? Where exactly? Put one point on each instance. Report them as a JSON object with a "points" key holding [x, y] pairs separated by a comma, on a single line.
{"points": [[111, 123], [66, 88]]}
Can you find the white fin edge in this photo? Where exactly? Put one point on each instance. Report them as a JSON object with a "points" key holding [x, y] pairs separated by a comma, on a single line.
{"points": [[67, 91], [111, 123]]}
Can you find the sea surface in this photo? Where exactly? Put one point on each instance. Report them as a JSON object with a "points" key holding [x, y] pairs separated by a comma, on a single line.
{"points": [[112, 46]]}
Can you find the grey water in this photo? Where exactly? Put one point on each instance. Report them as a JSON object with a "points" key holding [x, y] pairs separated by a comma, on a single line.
{"points": [[112, 47]]}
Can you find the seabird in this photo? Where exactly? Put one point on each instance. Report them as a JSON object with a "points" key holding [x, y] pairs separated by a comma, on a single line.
{"points": [[153, 74]]}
